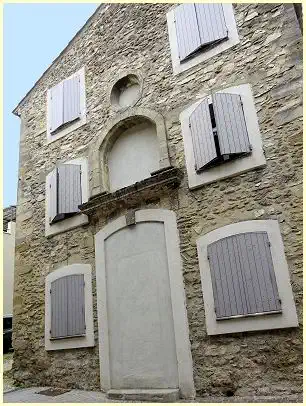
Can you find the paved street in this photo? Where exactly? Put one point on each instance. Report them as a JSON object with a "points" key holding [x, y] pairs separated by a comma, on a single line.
{"points": [[31, 395]]}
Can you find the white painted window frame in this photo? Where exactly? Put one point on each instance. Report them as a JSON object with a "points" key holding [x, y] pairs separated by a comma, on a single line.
{"points": [[288, 317], [72, 342], [233, 167], [202, 55], [76, 124], [181, 330], [78, 219]]}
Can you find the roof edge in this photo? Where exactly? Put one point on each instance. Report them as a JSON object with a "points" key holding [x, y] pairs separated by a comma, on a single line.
{"points": [[102, 5]]}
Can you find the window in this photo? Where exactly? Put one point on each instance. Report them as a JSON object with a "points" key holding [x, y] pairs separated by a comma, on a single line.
{"points": [[218, 130], [245, 278], [67, 307], [66, 106], [66, 189], [199, 31], [68, 297], [221, 136]]}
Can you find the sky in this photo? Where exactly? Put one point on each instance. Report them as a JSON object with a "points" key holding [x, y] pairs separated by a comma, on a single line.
{"points": [[34, 35]]}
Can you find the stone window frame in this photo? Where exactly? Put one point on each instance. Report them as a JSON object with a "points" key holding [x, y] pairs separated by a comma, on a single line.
{"points": [[76, 124], [76, 220], [72, 342], [288, 317], [179, 311], [233, 167], [98, 152], [203, 54]]}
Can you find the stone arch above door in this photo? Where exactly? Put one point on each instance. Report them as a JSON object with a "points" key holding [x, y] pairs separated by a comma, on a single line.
{"points": [[100, 148], [177, 294]]}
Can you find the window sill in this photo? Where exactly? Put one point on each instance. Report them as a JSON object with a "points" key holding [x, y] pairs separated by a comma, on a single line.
{"points": [[66, 130], [160, 182], [65, 225]]}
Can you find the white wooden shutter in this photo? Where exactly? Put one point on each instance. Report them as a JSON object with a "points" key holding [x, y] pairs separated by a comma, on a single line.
{"points": [[211, 23], [242, 274], [202, 136], [198, 25], [59, 308], [230, 122], [187, 33], [53, 192], [56, 107], [72, 105], [69, 188], [76, 305], [67, 307]]}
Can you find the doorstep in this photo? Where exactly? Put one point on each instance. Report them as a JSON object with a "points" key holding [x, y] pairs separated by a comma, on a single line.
{"points": [[145, 395]]}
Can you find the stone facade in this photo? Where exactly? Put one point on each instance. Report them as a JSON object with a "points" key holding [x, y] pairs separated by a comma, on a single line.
{"points": [[134, 38]]}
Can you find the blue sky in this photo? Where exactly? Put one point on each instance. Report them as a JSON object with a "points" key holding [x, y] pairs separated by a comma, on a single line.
{"points": [[34, 34]]}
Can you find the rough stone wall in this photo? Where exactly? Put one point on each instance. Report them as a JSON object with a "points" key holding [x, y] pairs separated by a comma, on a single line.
{"points": [[135, 37]]}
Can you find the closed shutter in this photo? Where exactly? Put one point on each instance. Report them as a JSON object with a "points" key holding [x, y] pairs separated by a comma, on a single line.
{"points": [[211, 23], [59, 308], [56, 107], [202, 135], [187, 33], [230, 122], [242, 274], [53, 196], [69, 188], [68, 307], [71, 89]]}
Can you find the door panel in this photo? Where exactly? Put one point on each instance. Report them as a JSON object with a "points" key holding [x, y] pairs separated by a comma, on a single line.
{"points": [[141, 332]]}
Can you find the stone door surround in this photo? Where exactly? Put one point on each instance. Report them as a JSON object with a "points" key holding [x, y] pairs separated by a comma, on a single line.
{"points": [[181, 332]]}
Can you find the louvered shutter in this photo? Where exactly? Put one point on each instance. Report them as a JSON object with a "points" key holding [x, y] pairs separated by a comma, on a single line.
{"points": [[59, 308], [202, 136], [68, 307], [76, 305], [211, 23], [53, 196], [230, 122], [187, 33], [72, 106], [242, 274], [56, 107], [69, 188]]}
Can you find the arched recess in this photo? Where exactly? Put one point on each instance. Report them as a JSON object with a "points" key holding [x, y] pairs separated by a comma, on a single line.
{"points": [[99, 151], [153, 236]]}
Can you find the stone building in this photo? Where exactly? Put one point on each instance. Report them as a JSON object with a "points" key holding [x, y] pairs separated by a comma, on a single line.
{"points": [[159, 215], [9, 227]]}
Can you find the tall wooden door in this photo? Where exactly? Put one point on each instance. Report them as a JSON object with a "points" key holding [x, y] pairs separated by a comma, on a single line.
{"points": [[142, 351]]}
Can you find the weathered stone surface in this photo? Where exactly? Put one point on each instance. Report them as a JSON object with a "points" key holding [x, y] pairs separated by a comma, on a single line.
{"points": [[134, 37]]}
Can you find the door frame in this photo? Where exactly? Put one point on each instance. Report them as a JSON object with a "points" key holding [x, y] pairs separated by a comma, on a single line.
{"points": [[179, 312]]}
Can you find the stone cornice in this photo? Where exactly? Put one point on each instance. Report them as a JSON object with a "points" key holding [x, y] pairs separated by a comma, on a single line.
{"points": [[160, 182]]}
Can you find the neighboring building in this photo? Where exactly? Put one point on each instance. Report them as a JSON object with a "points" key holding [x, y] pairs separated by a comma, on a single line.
{"points": [[159, 215], [9, 225]]}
